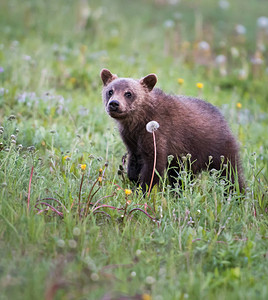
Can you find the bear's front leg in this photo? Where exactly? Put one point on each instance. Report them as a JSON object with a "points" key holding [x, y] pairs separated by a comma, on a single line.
{"points": [[134, 167]]}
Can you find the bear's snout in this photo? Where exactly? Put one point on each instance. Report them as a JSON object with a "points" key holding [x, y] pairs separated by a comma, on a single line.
{"points": [[113, 105]]}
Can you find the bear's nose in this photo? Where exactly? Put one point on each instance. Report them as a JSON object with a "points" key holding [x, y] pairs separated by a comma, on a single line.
{"points": [[113, 105]]}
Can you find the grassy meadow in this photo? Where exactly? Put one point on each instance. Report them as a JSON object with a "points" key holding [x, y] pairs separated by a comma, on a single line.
{"points": [[70, 225]]}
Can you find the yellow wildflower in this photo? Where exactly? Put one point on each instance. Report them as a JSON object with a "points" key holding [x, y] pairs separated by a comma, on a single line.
{"points": [[238, 105], [146, 297], [83, 167], [100, 170], [128, 192], [83, 48], [199, 85], [180, 81], [73, 80], [100, 179], [66, 157]]}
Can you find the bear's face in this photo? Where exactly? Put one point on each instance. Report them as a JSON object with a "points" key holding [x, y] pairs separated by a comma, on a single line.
{"points": [[122, 96]]}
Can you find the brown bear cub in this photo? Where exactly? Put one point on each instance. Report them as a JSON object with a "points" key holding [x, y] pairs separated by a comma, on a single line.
{"points": [[186, 125]]}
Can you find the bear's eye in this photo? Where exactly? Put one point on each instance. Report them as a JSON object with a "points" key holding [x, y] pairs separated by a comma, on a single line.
{"points": [[110, 93], [128, 94]]}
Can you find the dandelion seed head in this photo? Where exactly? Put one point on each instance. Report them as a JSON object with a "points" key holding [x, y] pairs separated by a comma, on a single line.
{"points": [[240, 29], [60, 243], [224, 4], [76, 231], [133, 274], [234, 52], [150, 280], [242, 74], [94, 277], [152, 126], [262, 22], [169, 24], [220, 59], [72, 244], [203, 46]]}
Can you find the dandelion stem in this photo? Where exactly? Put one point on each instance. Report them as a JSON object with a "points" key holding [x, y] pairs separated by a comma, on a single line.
{"points": [[79, 197], [89, 198], [153, 166], [51, 207], [29, 190], [98, 201]]}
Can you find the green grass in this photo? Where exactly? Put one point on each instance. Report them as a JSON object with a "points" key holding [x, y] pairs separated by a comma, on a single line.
{"points": [[201, 245]]}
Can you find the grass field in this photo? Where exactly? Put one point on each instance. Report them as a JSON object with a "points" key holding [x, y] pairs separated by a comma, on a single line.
{"points": [[70, 227]]}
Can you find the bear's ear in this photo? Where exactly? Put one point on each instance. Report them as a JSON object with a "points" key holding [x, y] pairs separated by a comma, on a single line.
{"points": [[149, 81], [107, 76]]}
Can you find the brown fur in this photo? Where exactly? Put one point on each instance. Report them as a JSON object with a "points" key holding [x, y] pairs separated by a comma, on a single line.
{"points": [[187, 125]]}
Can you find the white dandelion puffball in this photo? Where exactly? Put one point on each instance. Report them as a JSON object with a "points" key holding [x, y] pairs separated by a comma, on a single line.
{"points": [[203, 45], [262, 22], [152, 126], [240, 29]]}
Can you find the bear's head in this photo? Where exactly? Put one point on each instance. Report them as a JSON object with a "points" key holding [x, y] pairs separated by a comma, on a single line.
{"points": [[124, 96]]}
